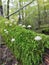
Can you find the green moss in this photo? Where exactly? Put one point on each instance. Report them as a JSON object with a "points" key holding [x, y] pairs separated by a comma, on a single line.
{"points": [[25, 48]]}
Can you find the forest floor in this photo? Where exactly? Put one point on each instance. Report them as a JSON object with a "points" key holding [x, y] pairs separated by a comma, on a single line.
{"points": [[6, 56]]}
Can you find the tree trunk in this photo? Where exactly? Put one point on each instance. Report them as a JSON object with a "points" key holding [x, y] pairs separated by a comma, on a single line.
{"points": [[1, 9], [19, 9], [19, 21], [45, 13], [8, 8], [39, 22]]}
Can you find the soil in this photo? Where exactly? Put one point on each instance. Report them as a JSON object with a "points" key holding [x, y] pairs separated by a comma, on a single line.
{"points": [[6, 56]]}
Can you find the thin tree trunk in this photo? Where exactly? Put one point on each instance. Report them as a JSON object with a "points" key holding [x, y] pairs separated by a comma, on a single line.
{"points": [[8, 8], [19, 21], [39, 22], [45, 13], [20, 9], [1, 9], [22, 12]]}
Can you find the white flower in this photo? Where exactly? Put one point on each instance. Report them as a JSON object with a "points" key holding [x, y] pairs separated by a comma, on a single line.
{"points": [[10, 24], [5, 30], [29, 26], [37, 38], [16, 64], [13, 39], [9, 10], [45, 0], [20, 24], [11, 21], [23, 26], [14, 22], [6, 22]]}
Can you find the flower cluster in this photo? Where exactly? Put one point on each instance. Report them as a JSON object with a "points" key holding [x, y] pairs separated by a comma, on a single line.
{"points": [[15, 23], [6, 22], [37, 38], [29, 26], [20, 24], [23, 26], [13, 39], [12, 20], [10, 24], [6, 31]]}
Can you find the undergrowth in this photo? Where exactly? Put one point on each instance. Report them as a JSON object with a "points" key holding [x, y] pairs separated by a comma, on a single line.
{"points": [[24, 46]]}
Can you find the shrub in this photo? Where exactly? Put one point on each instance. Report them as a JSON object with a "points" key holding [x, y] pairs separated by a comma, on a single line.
{"points": [[23, 44]]}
